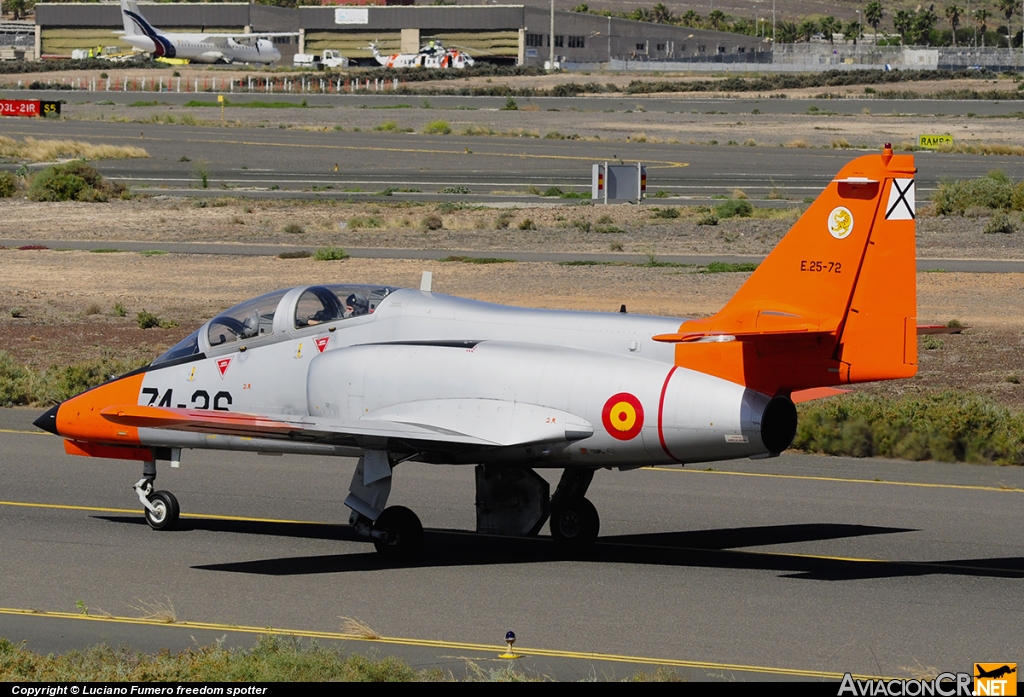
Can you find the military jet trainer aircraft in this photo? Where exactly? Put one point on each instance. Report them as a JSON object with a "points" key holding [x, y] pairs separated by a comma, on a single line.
{"points": [[390, 375]]}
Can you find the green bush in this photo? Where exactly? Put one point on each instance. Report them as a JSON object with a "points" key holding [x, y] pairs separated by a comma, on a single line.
{"points": [[147, 320], [73, 181], [20, 386], [439, 127], [948, 426], [293, 229], [734, 208], [330, 254], [16, 382], [667, 213], [991, 191], [527, 224], [8, 185], [432, 222], [1000, 223], [1017, 200]]}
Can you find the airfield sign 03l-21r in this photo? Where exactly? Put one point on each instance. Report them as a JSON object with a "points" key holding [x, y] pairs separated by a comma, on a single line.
{"points": [[392, 375]]}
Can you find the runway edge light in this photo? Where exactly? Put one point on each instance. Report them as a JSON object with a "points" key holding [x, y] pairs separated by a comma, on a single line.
{"points": [[510, 638]]}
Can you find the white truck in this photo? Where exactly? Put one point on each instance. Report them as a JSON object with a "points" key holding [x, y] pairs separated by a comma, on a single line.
{"points": [[327, 59]]}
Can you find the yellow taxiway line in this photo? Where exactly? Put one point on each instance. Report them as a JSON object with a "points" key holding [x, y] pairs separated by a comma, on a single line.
{"points": [[440, 644], [926, 485], [135, 511]]}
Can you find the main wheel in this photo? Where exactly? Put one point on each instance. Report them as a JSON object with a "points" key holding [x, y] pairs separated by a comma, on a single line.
{"points": [[165, 517], [575, 523], [402, 533]]}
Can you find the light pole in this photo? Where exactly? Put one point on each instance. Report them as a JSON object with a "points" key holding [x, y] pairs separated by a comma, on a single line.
{"points": [[773, 23], [551, 39]]}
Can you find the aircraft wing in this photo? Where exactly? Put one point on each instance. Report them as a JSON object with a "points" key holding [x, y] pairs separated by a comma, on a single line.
{"points": [[472, 422], [254, 35]]}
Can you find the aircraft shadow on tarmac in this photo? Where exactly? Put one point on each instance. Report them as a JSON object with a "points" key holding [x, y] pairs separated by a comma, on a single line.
{"points": [[700, 548]]}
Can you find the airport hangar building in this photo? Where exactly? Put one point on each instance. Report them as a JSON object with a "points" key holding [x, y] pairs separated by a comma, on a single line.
{"points": [[499, 33]]}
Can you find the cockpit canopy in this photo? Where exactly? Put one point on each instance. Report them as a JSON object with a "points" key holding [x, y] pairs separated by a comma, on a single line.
{"points": [[263, 316]]}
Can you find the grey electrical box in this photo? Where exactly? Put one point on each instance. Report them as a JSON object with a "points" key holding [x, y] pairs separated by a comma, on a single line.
{"points": [[611, 183]]}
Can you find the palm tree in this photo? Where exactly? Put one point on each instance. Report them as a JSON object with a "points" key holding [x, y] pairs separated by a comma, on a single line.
{"points": [[853, 30], [716, 18], [873, 13], [1008, 8], [829, 25], [690, 19], [902, 22], [953, 14], [924, 22], [786, 32], [662, 15], [807, 29], [980, 16]]}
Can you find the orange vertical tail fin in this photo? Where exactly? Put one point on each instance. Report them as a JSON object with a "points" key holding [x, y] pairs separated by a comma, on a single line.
{"points": [[835, 302]]}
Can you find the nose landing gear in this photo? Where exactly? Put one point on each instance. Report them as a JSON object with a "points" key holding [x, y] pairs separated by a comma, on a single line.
{"points": [[162, 508]]}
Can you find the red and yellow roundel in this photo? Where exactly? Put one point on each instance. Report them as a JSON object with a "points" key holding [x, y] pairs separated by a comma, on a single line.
{"points": [[623, 416]]}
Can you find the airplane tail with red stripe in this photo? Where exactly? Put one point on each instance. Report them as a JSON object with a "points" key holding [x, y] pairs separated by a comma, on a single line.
{"points": [[834, 303]]}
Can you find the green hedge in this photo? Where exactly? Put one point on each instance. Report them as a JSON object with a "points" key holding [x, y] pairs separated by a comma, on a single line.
{"points": [[948, 426]]}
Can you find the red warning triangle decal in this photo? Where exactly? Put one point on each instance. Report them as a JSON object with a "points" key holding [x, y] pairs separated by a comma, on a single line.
{"points": [[321, 343], [222, 365]]}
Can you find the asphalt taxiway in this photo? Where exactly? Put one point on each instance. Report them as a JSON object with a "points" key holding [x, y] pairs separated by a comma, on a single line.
{"points": [[332, 164], [794, 567]]}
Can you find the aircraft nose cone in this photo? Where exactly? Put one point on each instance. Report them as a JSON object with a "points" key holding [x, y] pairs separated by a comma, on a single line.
{"points": [[48, 421]]}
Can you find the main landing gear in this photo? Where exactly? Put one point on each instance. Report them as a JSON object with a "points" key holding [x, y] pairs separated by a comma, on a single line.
{"points": [[516, 501], [162, 508], [574, 520], [396, 532]]}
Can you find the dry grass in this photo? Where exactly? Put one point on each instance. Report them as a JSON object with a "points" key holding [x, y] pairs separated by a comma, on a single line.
{"points": [[50, 150], [350, 625], [157, 611], [840, 143], [797, 143], [983, 149]]}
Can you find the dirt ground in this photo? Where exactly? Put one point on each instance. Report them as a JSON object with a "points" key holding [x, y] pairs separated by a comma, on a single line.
{"points": [[559, 228]]}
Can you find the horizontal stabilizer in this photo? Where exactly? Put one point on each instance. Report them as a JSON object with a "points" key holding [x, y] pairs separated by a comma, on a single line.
{"points": [[813, 393], [923, 329], [756, 324]]}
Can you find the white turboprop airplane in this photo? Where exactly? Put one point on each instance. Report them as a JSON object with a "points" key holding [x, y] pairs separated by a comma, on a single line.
{"points": [[433, 55], [198, 48], [390, 375]]}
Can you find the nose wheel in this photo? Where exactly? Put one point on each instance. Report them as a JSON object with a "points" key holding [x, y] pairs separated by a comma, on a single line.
{"points": [[162, 508], [164, 513]]}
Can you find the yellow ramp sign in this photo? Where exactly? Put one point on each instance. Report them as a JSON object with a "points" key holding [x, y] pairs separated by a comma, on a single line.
{"points": [[934, 141]]}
